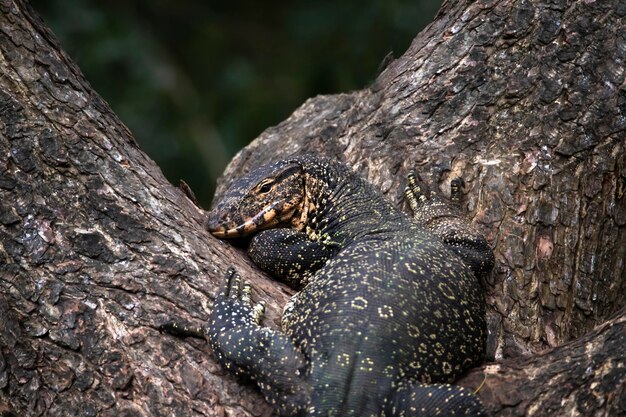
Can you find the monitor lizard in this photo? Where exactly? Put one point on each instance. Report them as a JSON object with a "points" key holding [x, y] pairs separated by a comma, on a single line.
{"points": [[390, 308]]}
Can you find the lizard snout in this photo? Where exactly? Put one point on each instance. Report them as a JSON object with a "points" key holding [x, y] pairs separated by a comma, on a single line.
{"points": [[218, 223]]}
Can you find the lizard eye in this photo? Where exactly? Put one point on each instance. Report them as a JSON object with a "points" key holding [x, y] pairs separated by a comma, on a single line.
{"points": [[265, 188]]}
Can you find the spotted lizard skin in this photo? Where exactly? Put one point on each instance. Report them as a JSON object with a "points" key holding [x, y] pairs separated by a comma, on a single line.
{"points": [[390, 308]]}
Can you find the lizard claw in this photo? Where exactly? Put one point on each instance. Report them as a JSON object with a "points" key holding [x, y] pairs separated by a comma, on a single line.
{"points": [[416, 192], [245, 294], [456, 190], [258, 311], [416, 186], [226, 287], [235, 287]]}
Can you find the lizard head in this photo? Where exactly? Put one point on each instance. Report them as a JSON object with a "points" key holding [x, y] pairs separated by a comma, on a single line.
{"points": [[267, 197]]}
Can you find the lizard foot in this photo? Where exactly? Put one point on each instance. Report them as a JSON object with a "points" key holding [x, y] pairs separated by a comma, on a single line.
{"points": [[232, 320], [444, 218], [427, 205], [233, 305], [418, 193], [253, 352], [233, 301]]}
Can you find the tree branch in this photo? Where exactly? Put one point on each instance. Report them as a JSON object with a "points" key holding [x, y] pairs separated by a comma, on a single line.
{"points": [[523, 99]]}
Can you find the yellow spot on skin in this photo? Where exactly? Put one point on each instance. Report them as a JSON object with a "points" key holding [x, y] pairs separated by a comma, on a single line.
{"points": [[385, 312], [413, 330], [367, 364], [389, 371], [359, 303], [446, 290], [343, 359]]}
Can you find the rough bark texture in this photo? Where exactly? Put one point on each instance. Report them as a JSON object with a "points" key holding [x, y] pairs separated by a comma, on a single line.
{"points": [[524, 99], [586, 377]]}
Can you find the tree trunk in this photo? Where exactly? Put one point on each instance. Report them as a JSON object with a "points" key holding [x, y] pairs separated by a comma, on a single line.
{"points": [[524, 99]]}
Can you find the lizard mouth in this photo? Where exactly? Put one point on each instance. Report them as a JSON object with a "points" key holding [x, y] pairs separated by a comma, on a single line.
{"points": [[271, 215]]}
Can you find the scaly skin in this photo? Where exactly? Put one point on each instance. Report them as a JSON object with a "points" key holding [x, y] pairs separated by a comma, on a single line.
{"points": [[390, 308]]}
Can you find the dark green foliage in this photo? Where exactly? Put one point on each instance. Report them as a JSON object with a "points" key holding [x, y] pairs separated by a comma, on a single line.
{"points": [[195, 81]]}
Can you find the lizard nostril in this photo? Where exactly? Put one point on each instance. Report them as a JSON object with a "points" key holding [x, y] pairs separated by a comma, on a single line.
{"points": [[213, 222]]}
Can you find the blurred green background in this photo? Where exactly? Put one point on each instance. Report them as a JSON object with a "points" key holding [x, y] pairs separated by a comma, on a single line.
{"points": [[195, 81]]}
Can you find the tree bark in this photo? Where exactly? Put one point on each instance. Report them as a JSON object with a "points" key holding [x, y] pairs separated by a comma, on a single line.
{"points": [[524, 99]]}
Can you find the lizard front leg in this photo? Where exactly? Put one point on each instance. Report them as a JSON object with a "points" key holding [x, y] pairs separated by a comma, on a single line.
{"points": [[247, 349], [289, 255], [446, 220]]}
